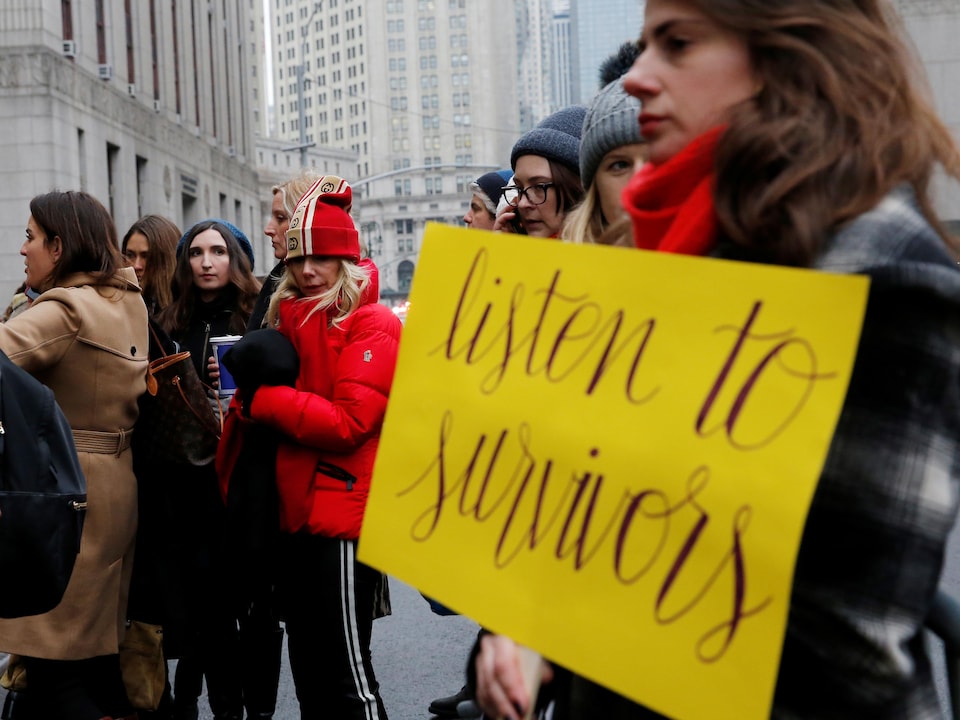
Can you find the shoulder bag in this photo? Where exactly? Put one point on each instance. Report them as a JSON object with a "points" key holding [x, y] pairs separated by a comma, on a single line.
{"points": [[178, 417]]}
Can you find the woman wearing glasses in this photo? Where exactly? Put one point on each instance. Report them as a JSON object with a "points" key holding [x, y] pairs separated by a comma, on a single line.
{"points": [[546, 176]]}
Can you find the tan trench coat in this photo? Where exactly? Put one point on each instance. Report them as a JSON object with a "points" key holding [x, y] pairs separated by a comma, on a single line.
{"points": [[89, 345]]}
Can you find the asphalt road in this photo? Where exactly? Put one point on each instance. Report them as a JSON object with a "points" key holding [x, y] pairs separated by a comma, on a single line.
{"points": [[417, 656]]}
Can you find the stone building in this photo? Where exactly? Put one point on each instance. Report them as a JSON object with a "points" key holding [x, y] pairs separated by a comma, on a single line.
{"points": [[143, 105]]}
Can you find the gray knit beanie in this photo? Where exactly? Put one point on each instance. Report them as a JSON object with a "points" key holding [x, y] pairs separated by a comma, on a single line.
{"points": [[557, 137], [611, 122]]}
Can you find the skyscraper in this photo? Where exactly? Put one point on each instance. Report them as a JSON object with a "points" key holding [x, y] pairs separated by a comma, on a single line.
{"points": [[423, 91], [599, 27]]}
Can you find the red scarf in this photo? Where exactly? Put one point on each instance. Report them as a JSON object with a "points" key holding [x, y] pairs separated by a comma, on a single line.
{"points": [[672, 204]]}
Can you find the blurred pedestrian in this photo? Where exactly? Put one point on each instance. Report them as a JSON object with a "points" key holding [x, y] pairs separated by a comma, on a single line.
{"points": [[611, 151], [485, 193]]}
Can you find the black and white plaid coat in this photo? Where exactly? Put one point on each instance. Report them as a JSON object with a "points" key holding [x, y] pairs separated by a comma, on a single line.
{"points": [[874, 542]]}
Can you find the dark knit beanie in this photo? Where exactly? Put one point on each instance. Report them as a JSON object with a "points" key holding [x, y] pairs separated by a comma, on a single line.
{"points": [[611, 122], [242, 239], [557, 137], [488, 188]]}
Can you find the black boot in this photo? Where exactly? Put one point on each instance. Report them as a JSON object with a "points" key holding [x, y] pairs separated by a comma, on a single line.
{"points": [[16, 707], [185, 709], [261, 649]]}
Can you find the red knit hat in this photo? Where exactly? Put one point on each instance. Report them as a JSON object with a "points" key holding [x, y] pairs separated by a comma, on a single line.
{"points": [[321, 224]]}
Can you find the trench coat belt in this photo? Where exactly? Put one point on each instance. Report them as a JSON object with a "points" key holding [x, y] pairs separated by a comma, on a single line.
{"points": [[106, 443]]}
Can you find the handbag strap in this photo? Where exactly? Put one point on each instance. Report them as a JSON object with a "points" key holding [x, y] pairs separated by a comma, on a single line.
{"points": [[177, 381], [179, 386], [157, 339]]}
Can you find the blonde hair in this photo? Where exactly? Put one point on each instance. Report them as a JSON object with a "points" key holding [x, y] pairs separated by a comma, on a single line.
{"points": [[344, 295], [294, 188], [585, 224]]}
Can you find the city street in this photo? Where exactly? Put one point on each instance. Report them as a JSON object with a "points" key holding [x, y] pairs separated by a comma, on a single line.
{"points": [[419, 656]]}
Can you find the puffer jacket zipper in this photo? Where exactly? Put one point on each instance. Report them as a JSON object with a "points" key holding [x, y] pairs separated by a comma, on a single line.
{"points": [[336, 472]]}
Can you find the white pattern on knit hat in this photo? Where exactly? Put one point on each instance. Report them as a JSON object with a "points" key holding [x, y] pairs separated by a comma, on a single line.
{"points": [[321, 223]]}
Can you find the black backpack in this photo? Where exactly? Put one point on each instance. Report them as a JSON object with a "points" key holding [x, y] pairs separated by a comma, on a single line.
{"points": [[43, 495]]}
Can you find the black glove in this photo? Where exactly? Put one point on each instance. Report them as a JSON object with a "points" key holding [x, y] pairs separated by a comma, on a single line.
{"points": [[262, 357]]}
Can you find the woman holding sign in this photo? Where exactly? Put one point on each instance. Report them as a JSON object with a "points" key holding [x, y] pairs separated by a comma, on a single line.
{"points": [[326, 306], [797, 133]]}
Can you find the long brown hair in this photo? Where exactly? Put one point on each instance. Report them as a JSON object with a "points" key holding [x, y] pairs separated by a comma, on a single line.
{"points": [[566, 183], [162, 236], [242, 283], [841, 118], [88, 237]]}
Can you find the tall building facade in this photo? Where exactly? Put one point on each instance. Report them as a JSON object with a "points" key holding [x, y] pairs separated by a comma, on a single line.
{"points": [[934, 25], [563, 62], [420, 90], [599, 27], [144, 105], [534, 60]]}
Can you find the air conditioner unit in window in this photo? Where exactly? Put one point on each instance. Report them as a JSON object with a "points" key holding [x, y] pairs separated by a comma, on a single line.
{"points": [[69, 48], [232, 151], [156, 106], [105, 72], [131, 90]]}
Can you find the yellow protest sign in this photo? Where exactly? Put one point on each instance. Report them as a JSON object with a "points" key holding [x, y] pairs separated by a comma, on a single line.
{"points": [[609, 455]]}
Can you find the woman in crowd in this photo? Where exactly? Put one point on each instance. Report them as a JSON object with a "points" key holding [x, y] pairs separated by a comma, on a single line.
{"points": [[86, 338], [485, 193], [611, 151], [326, 306], [214, 289], [156, 597], [214, 292], [546, 176], [285, 196], [149, 247], [251, 535], [798, 133]]}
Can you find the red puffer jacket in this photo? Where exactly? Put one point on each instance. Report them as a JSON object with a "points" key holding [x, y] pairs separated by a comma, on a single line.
{"points": [[332, 418]]}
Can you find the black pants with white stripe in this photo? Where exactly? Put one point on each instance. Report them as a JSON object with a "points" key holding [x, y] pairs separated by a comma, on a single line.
{"points": [[327, 599]]}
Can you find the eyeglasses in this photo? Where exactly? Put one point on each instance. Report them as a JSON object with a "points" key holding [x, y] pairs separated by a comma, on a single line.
{"points": [[535, 194]]}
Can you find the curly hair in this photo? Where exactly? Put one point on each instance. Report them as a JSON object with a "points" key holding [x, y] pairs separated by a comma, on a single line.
{"points": [[842, 117]]}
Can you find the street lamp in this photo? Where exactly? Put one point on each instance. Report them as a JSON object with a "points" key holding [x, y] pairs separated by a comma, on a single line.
{"points": [[300, 83]]}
